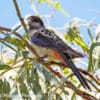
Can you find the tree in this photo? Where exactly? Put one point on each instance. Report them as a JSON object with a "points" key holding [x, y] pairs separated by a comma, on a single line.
{"points": [[36, 79]]}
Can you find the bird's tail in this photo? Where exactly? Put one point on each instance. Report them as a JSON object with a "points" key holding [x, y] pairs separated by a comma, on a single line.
{"points": [[75, 71]]}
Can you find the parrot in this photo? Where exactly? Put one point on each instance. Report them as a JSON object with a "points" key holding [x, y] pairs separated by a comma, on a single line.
{"points": [[47, 43]]}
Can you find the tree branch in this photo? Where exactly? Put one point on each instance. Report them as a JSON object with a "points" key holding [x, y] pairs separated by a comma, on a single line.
{"points": [[19, 16], [19, 36], [68, 83], [81, 93]]}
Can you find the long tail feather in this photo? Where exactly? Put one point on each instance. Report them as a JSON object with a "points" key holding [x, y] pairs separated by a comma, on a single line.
{"points": [[75, 71]]}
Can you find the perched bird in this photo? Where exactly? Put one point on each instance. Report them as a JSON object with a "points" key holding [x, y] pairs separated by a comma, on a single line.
{"points": [[47, 43]]}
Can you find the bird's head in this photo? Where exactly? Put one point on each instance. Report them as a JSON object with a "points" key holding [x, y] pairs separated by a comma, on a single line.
{"points": [[34, 22]]}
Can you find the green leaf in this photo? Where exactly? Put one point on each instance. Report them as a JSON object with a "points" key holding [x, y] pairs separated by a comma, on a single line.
{"points": [[15, 29], [6, 86], [58, 97], [44, 97], [56, 5], [15, 58], [73, 97], [4, 90], [24, 91], [90, 63], [90, 35], [4, 66], [25, 54], [36, 88], [49, 77], [9, 46], [15, 41], [40, 1], [73, 35], [74, 79], [33, 82], [66, 71]]}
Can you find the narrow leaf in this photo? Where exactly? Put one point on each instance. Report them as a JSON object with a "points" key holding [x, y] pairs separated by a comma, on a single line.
{"points": [[4, 66]]}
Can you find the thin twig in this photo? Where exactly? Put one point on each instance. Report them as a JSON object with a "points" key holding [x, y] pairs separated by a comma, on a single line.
{"points": [[9, 30], [70, 85], [93, 85], [9, 70], [82, 71], [91, 76], [19, 16], [1, 40], [19, 36]]}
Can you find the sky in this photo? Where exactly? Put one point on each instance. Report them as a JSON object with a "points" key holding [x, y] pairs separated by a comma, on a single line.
{"points": [[85, 9]]}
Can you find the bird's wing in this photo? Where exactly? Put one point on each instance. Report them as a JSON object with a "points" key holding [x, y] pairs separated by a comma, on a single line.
{"points": [[47, 38]]}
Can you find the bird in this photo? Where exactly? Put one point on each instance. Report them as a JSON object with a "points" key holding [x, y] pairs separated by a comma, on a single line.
{"points": [[47, 43]]}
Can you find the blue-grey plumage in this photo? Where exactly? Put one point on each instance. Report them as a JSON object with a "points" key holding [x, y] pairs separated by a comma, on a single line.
{"points": [[47, 38], [46, 43]]}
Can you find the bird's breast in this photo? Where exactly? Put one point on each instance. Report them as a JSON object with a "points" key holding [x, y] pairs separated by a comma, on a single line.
{"points": [[43, 51]]}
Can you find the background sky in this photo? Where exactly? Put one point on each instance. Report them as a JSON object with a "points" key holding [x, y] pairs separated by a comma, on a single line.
{"points": [[85, 9]]}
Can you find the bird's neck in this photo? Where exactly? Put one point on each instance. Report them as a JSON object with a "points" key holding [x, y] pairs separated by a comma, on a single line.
{"points": [[32, 31]]}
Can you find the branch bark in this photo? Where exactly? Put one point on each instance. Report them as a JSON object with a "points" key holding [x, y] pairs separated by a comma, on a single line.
{"points": [[19, 16], [81, 93], [19, 36]]}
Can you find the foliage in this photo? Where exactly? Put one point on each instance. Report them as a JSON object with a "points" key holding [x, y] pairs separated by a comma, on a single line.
{"points": [[32, 78]]}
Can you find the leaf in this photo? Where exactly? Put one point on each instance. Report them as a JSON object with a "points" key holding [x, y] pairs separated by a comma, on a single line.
{"points": [[15, 58], [33, 82], [66, 71], [25, 54], [56, 5], [73, 35], [73, 97], [58, 97], [15, 29], [40, 1], [49, 77], [74, 79], [36, 88], [50, 95], [90, 63], [9, 46], [6, 86], [24, 91], [4, 66], [90, 35], [45, 97], [18, 43], [14, 41], [14, 93], [4, 90]]}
